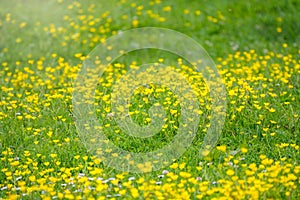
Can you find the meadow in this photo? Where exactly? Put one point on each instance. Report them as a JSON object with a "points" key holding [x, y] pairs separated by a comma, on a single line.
{"points": [[255, 47]]}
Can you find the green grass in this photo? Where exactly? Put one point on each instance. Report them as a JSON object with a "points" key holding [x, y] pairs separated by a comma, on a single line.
{"points": [[255, 46]]}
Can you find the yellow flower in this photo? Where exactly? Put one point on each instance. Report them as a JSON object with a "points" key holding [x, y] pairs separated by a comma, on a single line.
{"points": [[22, 25], [18, 40], [53, 155], [174, 166], [167, 8], [205, 152], [230, 172], [278, 29], [134, 192], [15, 163], [135, 23], [32, 178], [272, 110], [244, 150], [222, 148], [185, 174]]}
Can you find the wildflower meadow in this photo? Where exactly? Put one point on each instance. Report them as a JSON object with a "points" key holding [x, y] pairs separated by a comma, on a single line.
{"points": [[156, 99]]}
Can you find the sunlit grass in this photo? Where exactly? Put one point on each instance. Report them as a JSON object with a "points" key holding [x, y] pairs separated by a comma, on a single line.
{"points": [[255, 48]]}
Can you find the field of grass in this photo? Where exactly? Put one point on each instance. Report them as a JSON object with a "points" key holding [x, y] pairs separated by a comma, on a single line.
{"points": [[255, 46]]}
